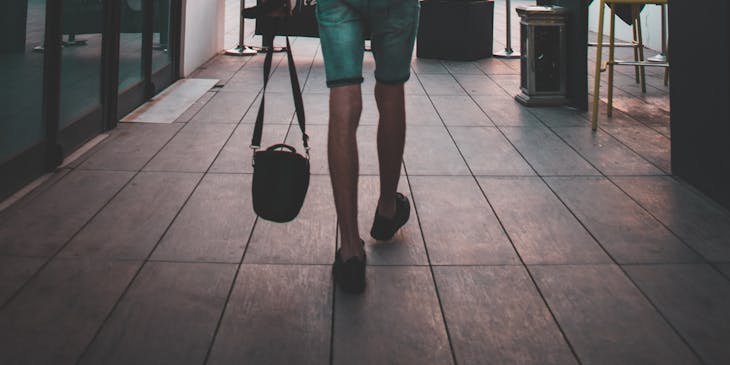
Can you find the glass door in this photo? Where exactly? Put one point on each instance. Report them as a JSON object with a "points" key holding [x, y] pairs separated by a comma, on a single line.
{"points": [[22, 129], [163, 48], [147, 50], [131, 86], [130, 44], [82, 29], [69, 69]]}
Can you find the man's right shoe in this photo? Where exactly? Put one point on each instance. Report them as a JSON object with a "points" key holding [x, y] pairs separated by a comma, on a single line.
{"points": [[350, 275], [383, 228]]}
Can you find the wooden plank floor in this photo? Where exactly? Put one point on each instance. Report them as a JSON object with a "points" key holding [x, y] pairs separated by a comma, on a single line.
{"points": [[532, 240]]}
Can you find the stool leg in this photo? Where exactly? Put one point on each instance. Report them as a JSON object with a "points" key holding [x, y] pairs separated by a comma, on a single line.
{"points": [[597, 76], [666, 70], [634, 28], [641, 50], [611, 41]]}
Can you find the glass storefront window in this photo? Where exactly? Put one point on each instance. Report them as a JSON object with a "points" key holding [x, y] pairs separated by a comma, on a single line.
{"points": [[30, 104], [161, 55], [130, 44], [81, 60], [21, 76]]}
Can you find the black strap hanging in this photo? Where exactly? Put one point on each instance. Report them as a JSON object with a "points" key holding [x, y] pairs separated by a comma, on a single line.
{"points": [[296, 91]]}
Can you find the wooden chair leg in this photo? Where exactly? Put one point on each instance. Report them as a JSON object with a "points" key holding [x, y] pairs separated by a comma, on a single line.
{"points": [[641, 49], [597, 76], [611, 59]]}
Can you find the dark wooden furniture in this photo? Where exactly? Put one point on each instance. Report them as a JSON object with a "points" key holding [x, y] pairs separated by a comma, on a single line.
{"points": [[455, 30], [577, 49], [700, 111]]}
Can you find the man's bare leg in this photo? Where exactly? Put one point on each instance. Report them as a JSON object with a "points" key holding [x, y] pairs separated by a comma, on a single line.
{"points": [[345, 108], [391, 139]]}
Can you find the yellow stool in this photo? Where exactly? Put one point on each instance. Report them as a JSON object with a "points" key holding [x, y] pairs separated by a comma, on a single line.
{"points": [[637, 44], [639, 61]]}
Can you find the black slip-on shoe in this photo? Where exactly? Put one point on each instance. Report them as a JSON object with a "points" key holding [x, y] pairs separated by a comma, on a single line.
{"points": [[350, 275], [383, 228]]}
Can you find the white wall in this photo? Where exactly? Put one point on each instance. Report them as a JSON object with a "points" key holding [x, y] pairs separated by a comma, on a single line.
{"points": [[232, 23], [651, 20], [203, 32]]}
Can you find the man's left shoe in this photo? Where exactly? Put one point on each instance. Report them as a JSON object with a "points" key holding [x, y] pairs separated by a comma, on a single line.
{"points": [[383, 228]]}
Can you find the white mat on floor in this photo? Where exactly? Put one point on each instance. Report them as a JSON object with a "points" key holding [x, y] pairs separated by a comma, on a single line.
{"points": [[167, 106]]}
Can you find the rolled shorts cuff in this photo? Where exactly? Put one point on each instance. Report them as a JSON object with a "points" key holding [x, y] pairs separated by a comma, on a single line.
{"points": [[393, 82], [345, 82]]}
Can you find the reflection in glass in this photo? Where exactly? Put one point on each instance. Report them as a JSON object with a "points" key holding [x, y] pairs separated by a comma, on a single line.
{"points": [[22, 24], [130, 44], [161, 38], [81, 64]]}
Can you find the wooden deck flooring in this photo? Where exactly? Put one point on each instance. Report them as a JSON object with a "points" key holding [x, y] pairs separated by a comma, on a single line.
{"points": [[533, 240]]}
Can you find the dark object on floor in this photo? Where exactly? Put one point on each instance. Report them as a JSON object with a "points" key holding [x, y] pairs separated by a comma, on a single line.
{"points": [[577, 52], [383, 228], [456, 30], [543, 63]]}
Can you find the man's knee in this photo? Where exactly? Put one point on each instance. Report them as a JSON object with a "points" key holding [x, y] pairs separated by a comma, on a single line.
{"points": [[346, 100], [389, 87], [388, 91]]}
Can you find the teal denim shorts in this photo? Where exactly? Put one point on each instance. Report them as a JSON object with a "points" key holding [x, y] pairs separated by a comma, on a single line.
{"points": [[392, 27]]}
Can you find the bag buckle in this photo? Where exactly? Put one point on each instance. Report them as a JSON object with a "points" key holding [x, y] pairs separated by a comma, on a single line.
{"points": [[253, 155]]}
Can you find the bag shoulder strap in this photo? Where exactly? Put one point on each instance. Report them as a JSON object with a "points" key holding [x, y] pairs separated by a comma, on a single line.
{"points": [[297, 94]]}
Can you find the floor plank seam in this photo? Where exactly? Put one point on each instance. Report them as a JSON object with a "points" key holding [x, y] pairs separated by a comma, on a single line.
{"points": [[55, 178], [626, 275], [663, 316], [534, 283], [159, 240], [69, 170], [608, 132], [661, 223], [66, 243], [724, 274], [433, 275], [603, 174], [517, 252], [123, 294], [228, 295], [575, 150]]}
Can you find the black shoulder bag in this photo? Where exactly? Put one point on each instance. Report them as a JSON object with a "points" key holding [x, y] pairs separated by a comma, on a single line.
{"points": [[280, 174]]}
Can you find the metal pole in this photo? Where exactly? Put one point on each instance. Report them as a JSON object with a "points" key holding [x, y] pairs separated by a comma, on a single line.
{"points": [[662, 57], [508, 51], [241, 49]]}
